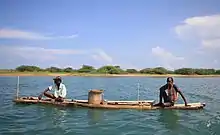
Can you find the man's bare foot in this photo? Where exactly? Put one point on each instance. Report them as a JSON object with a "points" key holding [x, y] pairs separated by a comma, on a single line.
{"points": [[59, 99], [167, 104], [39, 97], [158, 104]]}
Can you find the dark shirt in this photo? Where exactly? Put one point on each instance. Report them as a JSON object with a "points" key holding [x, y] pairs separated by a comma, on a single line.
{"points": [[165, 87]]}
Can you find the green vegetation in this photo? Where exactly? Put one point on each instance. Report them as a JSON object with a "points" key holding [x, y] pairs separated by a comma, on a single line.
{"points": [[116, 70]]}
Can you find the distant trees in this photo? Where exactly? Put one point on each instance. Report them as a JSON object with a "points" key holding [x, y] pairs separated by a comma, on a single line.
{"points": [[86, 69], [131, 71], [24, 68], [157, 70], [217, 72], [185, 71], [109, 69], [68, 70], [53, 69], [200, 71]]}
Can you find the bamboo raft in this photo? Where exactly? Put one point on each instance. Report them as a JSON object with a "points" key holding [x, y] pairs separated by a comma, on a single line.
{"points": [[143, 105], [96, 100]]}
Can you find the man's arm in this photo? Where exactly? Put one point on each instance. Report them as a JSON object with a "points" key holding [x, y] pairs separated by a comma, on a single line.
{"points": [[181, 93], [63, 92], [162, 89], [47, 89]]}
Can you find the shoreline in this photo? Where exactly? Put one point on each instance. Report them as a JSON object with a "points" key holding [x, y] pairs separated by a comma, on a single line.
{"points": [[101, 75]]}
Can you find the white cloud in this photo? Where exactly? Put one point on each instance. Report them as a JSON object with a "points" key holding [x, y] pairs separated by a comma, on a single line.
{"points": [[27, 35], [100, 55], [160, 52], [167, 59], [129, 66], [38, 54], [215, 61], [211, 44], [203, 33], [204, 29]]}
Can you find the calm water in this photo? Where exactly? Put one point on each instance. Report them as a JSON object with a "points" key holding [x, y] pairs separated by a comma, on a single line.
{"points": [[42, 120]]}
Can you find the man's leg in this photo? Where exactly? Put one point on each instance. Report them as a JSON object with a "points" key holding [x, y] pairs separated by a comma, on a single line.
{"points": [[59, 99], [165, 97], [167, 101], [168, 104], [49, 95]]}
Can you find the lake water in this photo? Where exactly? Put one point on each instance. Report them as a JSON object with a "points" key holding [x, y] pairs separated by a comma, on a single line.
{"points": [[42, 119]]}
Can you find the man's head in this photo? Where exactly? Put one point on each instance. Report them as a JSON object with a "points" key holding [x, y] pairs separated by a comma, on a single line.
{"points": [[57, 80], [169, 80]]}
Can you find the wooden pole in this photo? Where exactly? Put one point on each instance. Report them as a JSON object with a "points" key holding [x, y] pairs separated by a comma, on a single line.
{"points": [[138, 93], [17, 91]]}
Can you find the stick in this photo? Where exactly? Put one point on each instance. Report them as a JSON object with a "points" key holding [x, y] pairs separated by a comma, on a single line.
{"points": [[17, 91], [138, 92]]}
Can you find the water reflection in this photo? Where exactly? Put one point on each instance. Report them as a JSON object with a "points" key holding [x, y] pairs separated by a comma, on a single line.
{"points": [[59, 116], [95, 116], [213, 124], [169, 118], [55, 119]]}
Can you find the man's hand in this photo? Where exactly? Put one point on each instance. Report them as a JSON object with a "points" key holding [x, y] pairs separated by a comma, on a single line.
{"points": [[159, 104], [60, 99], [186, 104], [40, 96]]}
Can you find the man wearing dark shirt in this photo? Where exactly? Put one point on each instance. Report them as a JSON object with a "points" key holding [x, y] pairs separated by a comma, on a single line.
{"points": [[172, 96]]}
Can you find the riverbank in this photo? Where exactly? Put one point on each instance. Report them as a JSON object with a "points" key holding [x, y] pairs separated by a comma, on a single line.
{"points": [[98, 75]]}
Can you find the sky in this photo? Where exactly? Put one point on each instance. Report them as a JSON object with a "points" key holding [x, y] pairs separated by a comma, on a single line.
{"points": [[132, 34]]}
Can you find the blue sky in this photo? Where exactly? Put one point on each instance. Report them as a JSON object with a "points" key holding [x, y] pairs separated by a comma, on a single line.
{"points": [[132, 34]]}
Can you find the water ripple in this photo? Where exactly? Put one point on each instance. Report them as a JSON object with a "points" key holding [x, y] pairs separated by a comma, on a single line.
{"points": [[38, 120]]}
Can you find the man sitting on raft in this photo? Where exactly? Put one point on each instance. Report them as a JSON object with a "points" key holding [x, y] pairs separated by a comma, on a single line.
{"points": [[59, 90], [172, 96]]}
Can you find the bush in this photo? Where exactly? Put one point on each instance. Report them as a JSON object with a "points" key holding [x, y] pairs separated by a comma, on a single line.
{"points": [[109, 69], [131, 71], [86, 69], [24, 68]]}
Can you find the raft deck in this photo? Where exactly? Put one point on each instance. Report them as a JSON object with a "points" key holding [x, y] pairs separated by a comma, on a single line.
{"points": [[143, 104]]}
